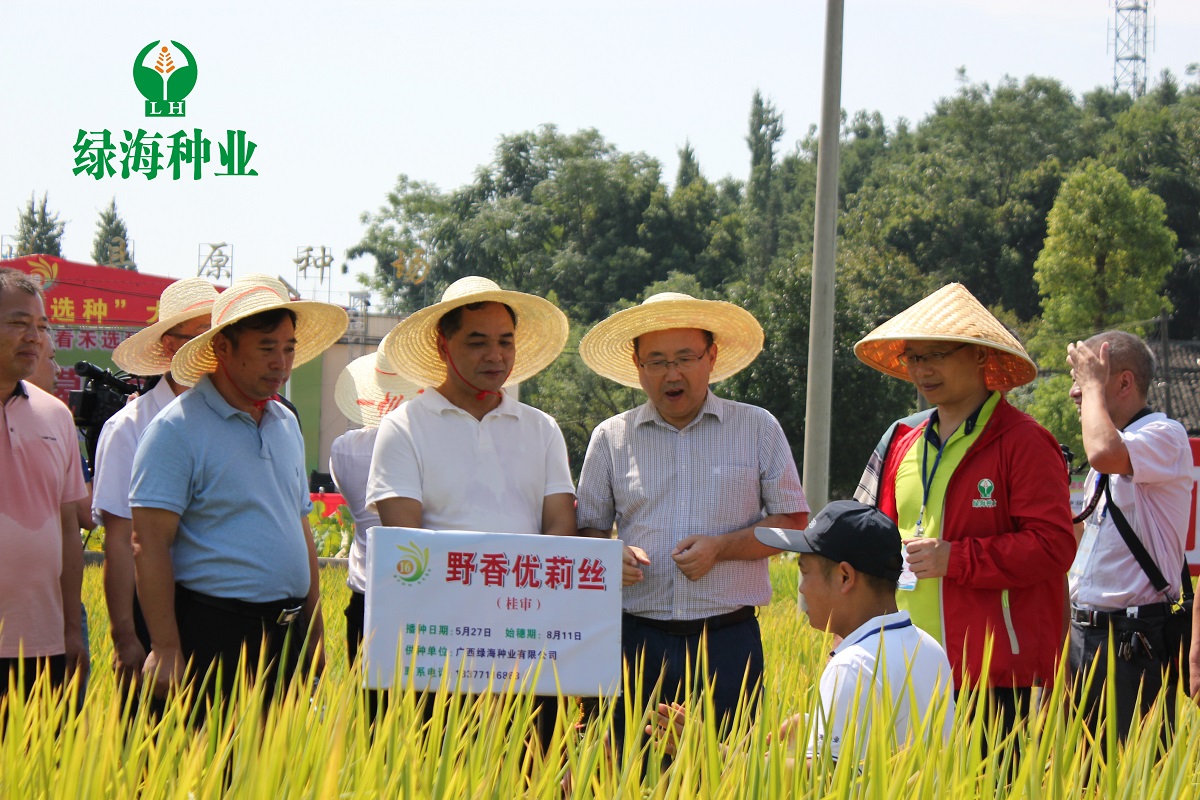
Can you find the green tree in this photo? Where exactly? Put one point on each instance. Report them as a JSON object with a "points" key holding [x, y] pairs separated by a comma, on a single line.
{"points": [[578, 398], [1005, 131], [39, 231], [552, 212], [111, 245], [870, 288], [965, 197], [1154, 144], [1104, 265], [686, 231], [762, 195], [403, 228]]}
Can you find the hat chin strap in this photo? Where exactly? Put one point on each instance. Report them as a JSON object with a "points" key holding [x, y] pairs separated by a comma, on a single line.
{"points": [[480, 394], [258, 404]]}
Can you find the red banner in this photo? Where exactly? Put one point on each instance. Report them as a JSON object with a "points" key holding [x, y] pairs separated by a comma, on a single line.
{"points": [[93, 296]]}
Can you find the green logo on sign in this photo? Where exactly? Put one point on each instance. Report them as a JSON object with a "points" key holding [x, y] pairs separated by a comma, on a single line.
{"points": [[165, 75], [986, 487], [412, 568]]}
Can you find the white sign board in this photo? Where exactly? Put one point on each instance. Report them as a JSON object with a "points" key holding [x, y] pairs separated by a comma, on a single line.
{"points": [[490, 606]]}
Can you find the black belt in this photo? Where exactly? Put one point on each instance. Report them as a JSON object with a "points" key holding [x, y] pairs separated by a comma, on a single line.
{"points": [[280, 612], [693, 627], [1090, 618]]}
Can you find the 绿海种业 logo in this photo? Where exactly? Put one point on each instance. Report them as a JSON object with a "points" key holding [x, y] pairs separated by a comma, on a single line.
{"points": [[165, 73], [986, 487]]}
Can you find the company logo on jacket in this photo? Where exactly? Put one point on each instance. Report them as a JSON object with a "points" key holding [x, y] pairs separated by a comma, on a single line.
{"points": [[986, 487]]}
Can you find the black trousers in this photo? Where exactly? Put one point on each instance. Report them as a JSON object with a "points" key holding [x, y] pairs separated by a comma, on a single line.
{"points": [[211, 636], [356, 611], [19, 674], [1006, 703], [733, 652], [1141, 662]]}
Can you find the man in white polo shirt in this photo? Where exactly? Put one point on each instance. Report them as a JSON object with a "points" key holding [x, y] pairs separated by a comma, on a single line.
{"points": [[185, 311], [465, 455], [849, 564]]}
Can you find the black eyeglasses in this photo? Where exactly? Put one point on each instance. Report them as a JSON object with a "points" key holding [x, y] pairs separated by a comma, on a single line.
{"points": [[928, 358], [660, 366]]}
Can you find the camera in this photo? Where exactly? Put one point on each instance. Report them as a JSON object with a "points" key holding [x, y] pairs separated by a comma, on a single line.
{"points": [[103, 394]]}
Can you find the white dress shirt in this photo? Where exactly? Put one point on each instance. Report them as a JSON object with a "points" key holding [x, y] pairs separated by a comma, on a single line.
{"points": [[114, 452], [1157, 501], [350, 466]]}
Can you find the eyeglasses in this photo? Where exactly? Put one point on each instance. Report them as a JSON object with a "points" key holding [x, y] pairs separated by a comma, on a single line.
{"points": [[928, 358], [684, 364]]}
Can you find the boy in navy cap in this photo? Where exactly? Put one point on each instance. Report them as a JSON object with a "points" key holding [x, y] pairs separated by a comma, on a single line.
{"points": [[849, 564]]}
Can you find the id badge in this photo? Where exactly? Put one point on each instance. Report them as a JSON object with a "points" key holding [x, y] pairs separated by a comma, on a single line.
{"points": [[1084, 554]]}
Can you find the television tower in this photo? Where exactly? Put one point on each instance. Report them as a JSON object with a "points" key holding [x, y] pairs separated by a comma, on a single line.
{"points": [[1130, 40]]}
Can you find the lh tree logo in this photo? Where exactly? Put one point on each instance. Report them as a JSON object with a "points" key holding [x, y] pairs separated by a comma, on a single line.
{"points": [[165, 75], [986, 487]]}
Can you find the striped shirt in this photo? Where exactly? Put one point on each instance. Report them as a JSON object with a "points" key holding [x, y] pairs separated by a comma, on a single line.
{"points": [[724, 471]]}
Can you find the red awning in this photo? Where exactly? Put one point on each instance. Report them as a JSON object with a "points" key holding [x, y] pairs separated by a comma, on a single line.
{"points": [[94, 296]]}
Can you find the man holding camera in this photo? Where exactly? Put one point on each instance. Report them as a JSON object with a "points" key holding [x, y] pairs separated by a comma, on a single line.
{"points": [[184, 312], [42, 571]]}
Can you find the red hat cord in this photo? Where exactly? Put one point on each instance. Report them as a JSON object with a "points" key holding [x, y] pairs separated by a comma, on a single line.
{"points": [[481, 393]]}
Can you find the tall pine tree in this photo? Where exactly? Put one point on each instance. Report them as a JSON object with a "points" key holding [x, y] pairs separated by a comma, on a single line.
{"points": [[111, 245], [39, 231], [762, 197]]}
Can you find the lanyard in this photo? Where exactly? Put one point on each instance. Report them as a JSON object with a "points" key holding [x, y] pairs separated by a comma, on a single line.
{"points": [[906, 623], [1097, 492], [967, 426], [927, 479]]}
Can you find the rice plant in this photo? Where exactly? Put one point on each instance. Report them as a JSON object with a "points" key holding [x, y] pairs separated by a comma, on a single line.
{"points": [[318, 741]]}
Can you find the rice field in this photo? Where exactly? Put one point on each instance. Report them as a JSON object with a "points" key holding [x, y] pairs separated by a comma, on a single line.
{"points": [[317, 742]]}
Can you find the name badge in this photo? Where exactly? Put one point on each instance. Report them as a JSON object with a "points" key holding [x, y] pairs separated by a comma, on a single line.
{"points": [[1087, 545]]}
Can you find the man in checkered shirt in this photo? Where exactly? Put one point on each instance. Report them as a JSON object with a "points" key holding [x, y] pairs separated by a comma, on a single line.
{"points": [[686, 478]]}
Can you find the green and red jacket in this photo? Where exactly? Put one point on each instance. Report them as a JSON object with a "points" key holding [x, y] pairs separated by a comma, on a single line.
{"points": [[1008, 515]]}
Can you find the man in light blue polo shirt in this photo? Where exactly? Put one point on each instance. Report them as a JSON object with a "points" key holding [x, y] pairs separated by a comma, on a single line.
{"points": [[224, 556]]}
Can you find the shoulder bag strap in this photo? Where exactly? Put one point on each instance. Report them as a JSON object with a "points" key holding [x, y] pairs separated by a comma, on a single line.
{"points": [[1132, 541], [1135, 545]]}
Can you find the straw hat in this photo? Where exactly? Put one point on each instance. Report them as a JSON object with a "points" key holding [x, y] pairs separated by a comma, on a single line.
{"points": [[369, 388], [412, 346], [608, 348], [143, 353], [318, 325], [951, 314]]}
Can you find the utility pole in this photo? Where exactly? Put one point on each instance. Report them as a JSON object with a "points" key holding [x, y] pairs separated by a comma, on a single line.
{"points": [[1165, 361], [818, 406]]}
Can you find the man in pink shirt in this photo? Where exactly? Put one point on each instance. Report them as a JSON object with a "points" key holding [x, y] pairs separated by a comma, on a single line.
{"points": [[42, 571]]}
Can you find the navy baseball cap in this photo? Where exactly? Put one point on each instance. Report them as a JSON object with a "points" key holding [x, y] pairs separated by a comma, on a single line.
{"points": [[862, 536]]}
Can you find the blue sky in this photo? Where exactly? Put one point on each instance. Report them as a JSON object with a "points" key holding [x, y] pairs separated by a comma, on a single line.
{"points": [[340, 99]]}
